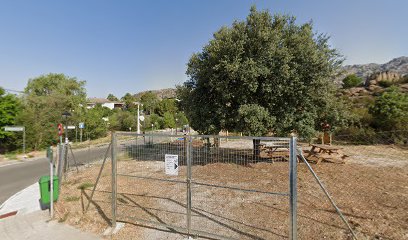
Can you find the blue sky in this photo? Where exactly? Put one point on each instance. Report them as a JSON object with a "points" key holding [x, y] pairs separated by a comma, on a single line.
{"points": [[130, 46]]}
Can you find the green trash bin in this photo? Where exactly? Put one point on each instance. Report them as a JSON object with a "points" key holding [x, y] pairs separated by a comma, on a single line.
{"points": [[45, 188]]}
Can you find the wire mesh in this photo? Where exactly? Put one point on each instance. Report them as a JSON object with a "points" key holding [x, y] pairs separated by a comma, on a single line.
{"points": [[222, 184]]}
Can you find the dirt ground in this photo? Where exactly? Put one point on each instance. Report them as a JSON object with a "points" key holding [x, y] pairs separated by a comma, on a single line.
{"points": [[371, 191]]}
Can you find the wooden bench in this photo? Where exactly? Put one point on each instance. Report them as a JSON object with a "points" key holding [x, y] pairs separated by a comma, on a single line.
{"points": [[278, 151], [320, 152]]}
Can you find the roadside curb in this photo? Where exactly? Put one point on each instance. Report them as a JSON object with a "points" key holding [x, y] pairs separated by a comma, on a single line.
{"points": [[15, 162], [24, 201]]}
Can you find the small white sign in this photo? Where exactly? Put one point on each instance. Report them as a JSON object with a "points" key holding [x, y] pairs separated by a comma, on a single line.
{"points": [[14, 129], [81, 125], [171, 164], [71, 127], [142, 118]]}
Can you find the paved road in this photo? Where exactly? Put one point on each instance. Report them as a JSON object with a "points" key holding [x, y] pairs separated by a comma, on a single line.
{"points": [[16, 177]]}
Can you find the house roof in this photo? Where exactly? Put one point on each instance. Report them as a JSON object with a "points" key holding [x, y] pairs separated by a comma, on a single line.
{"points": [[101, 101]]}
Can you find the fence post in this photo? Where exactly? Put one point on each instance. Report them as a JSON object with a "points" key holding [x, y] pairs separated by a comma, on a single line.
{"points": [[293, 189], [189, 153], [114, 184]]}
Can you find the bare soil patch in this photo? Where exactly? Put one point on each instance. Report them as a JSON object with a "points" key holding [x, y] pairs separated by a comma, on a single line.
{"points": [[373, 195]]}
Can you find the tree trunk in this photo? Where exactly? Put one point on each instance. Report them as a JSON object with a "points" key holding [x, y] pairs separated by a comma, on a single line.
{"points": [[256, 148], [216, 142]]}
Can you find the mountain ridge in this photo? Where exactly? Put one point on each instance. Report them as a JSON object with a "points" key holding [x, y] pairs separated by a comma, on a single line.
{"points": [[397, 65], [366, 71]]}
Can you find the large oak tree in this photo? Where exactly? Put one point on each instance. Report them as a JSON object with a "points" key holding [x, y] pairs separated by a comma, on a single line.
{"points": [[263, 75]]}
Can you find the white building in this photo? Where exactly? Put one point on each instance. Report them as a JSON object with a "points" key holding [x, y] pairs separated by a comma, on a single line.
{"points": [[92, 102]]}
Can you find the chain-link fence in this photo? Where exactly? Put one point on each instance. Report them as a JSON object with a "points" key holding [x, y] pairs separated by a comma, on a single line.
{"points": [[210, 186], [233, 187], [386, 148]]}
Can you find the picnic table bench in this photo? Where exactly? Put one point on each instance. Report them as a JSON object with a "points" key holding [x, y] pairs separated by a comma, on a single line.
{"points": [[276, 151], [320, 152]]}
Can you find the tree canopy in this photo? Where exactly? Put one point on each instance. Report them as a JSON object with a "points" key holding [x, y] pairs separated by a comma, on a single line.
{"points": [[9, 109], [149, 101], [352, 81], [47, 97], [112, 97], [268, 66]]}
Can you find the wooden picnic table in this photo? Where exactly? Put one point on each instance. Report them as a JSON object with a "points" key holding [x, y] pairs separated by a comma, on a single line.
{"points": [[321, 152], [275, 151]]}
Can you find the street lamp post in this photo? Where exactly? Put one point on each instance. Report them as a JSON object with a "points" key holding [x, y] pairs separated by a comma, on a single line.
{"points": [[65, 116], [176, 125]]}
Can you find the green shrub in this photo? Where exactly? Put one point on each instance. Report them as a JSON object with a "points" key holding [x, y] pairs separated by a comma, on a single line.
{"points": [[85, 185], [352, 81], [356, 135], [404, 79], [11, 156], [390, 110], [71, 199], [385, 83]]}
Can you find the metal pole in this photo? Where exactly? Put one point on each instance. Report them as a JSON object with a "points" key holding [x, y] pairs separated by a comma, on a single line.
{"points": [[24, 139], [73, 157], [189, 155], [138, 115], [50, 156], [292, 189], [80, 135], [99, 175], [114, 187], [326, 193], [60, 162], [66, 130]]}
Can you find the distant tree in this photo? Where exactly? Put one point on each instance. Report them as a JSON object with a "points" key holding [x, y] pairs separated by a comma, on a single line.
{"points": [[129, 101], [390, 110], [156, 120], [352, 81], [168, 120], [274, 67], [46, 98], [9, 109], [95, 125], [166, 105], [149, 101], [181, 119], [123, 121], [112, 97]]}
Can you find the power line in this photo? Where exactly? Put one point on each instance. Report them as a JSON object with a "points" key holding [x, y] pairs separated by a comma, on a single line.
{"points": [[11, 90]]}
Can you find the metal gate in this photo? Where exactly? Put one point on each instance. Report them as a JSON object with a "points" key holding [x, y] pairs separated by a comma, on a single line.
{"points": [[218, 187]]}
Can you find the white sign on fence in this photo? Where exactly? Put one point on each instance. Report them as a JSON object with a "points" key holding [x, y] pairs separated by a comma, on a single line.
{"points": [[171, 164], [14, 129]]}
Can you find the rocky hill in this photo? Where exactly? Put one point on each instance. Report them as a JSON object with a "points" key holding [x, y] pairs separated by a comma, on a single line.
{"points": [[372, 75], [397, 66], [161, 93]]}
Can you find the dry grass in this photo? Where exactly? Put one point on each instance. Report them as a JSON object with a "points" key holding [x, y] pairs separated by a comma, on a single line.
{"points": [[372, 192]]}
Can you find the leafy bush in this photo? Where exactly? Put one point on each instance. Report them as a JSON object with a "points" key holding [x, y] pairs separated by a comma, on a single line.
{"points": [[404, 79], [385, 83], [352, 81], [368, 136], [85, 185], [390, 110]]}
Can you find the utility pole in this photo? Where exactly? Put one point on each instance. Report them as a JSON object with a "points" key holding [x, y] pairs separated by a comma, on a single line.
{"points": [[138, 116]]}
